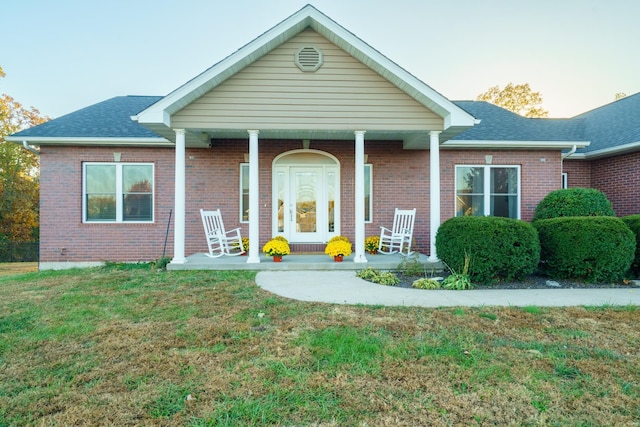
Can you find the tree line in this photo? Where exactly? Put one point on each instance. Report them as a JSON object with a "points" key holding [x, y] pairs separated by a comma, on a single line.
{"points": [[19, 173]]}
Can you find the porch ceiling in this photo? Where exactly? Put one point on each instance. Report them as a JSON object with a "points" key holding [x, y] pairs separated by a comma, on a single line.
{"points": [[412, 140]]}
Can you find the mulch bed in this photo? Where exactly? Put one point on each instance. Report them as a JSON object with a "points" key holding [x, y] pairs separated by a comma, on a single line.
{"points": [[531, 282]]}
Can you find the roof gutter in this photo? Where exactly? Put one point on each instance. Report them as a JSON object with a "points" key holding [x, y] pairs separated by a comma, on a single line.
{"points": [[133, 141], [26, 145], [514, 145], [570, 152], [607, 152]]}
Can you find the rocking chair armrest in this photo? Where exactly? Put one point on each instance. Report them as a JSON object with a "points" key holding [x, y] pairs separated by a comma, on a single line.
{"points": [[385, 229]]}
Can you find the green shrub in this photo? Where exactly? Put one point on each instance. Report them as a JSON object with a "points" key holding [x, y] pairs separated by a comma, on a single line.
{"points": [[367, 274], [499, 248], [387, 278], [595, 249], [425, 283], [410, 265], [573, 202], [381, 277], [633, 222], [457, 282]]}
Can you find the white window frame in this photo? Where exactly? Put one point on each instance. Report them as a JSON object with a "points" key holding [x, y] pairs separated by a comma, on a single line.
{"points": [[119, 192], [565, 180], [240, 204], [486, 191], [370, 219]]}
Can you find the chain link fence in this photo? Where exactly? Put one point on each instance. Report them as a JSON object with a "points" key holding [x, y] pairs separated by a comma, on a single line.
{"points": [[19, 251]]}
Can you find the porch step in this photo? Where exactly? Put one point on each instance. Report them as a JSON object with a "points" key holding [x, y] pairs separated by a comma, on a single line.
{"points": [[307, 248], [297, 261]]}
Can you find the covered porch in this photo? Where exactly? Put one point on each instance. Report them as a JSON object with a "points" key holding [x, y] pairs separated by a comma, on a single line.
{"points": [[307, 81], [292, 262]]}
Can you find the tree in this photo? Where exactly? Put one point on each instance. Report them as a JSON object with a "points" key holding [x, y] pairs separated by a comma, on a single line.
{"points": [[519, 99], [19, 173]]}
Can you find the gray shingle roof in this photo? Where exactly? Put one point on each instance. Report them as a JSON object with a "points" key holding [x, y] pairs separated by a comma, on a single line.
{"points": [[498, 124], [606, 127], [613, 125], [106, 119], [609, 126]]}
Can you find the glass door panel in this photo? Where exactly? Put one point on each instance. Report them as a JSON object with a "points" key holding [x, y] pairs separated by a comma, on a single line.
{"points": [[331, 196], [306, 195]]}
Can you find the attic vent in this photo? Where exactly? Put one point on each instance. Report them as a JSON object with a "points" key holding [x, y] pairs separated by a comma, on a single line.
{"points": [[308, 58]]}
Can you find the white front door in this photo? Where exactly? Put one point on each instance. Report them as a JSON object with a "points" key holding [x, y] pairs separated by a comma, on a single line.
{"points": [[306, 201]]}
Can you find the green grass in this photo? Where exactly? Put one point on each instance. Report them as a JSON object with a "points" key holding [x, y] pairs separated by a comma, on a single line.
{"points": [[339, 348], [212, 349]]}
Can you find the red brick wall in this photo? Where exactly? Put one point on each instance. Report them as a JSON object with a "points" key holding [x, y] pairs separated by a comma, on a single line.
{"points": [[538, 177], [578, 173], [619, 179], [400, 179], [61, 208], [398, 175]]}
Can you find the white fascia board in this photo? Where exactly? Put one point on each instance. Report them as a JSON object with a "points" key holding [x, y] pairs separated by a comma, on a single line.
{"points": [[515, 144], [423, 93], [161, 111], [308, 16], [91, 141], [606, 152], [153, 116]]}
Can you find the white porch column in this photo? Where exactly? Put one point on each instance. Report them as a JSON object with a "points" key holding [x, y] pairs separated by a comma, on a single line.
{"points": [[434, 190], [254, 199], [180, 200], [359, 198]]}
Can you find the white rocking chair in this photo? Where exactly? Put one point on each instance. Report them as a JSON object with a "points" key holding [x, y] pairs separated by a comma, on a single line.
{"points": [[399, 237], [220, 242]]}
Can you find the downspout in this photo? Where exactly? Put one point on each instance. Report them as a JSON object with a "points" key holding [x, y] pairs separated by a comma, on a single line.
{"points": [[570, 152], [564, 156], [30, 148]]}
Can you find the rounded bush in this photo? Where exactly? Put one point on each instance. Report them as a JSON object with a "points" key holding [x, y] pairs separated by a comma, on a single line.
{"points": [[498, 248], [633, 222], [595, 249], [573, 202]]}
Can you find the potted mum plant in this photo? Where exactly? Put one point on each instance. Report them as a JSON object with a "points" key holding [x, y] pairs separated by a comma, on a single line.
{"points": [[371, 244], [338, 247], [277, 248], [245, 246]]}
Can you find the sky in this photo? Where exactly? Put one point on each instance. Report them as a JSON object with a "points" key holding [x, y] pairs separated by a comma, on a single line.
{"points": [[63, 55]]}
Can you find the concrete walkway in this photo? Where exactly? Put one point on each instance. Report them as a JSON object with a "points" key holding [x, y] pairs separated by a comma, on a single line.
{"points": [[343, 287]]}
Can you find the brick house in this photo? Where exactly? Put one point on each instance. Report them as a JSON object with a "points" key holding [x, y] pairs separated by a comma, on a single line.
{"points": [[313, 119]]}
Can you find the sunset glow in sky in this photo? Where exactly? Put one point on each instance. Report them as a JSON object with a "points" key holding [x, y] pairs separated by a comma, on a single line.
{"points": [[60, 56]]}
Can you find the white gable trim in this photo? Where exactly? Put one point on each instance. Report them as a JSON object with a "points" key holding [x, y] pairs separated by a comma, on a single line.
{"points": [[161, 111]]}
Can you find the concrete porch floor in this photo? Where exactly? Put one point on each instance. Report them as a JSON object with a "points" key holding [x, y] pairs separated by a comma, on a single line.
{"points": [[295, 262]]}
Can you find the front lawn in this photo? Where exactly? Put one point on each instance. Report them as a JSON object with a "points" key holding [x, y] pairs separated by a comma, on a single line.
{"points": [[127, 345]]}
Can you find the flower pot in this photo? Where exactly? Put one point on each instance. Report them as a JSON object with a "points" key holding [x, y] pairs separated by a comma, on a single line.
{"points": [[337, 258], [277, 258]]}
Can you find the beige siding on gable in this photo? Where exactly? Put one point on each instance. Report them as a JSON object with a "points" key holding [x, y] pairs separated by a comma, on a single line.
{"points": [[273, 93]]}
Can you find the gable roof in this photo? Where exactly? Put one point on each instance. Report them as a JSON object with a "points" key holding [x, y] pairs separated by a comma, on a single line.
{"points": [[613, 128], [159, 115], [108, 120], [501, 128]]}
